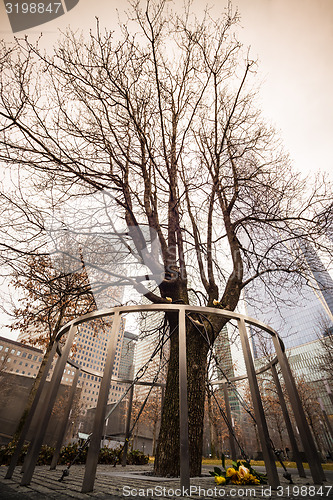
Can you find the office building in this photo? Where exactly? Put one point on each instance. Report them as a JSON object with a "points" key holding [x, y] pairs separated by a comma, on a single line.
{"points": [[303, 313], [90, 353], [153, 333], [19, 366], [302, 318], [126, 366], [19, 358]]}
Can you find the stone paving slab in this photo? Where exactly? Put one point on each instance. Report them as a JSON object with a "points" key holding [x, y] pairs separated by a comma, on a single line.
{"points": [[122, 483]]}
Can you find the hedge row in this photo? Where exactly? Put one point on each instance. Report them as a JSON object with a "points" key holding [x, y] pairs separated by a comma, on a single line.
{"points": [[69, 452]]}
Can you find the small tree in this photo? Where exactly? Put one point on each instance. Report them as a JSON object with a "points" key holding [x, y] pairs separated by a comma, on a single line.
{"points": [[272, 409], [325, 359], [150, 417], [48, 301], [217, 428], [5, 386], [309, 398]]}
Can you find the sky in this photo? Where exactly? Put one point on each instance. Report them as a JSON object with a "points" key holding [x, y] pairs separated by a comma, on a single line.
{"points": [[292, 41]]}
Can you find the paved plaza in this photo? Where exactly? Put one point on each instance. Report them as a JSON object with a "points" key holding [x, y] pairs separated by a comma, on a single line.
{"points": [[135, 482]]}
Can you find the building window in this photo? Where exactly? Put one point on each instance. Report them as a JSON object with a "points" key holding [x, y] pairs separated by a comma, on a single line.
{"points": [[6, 349], [29, 356], [18, 353], [12, 351], [24, 354]]}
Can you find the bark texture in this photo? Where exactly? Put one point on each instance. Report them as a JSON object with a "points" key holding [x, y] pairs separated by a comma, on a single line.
{"points": [[167, 460]]}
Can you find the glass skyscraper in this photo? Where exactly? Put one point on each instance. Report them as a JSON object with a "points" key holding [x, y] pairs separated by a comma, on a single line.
{"points": [[304, 317], [304, 314]]}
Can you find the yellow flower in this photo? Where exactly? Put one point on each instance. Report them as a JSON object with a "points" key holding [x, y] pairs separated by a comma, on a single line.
{"points": [[169, 299], [231, 472], [220, 480], [236, 479], [253, 479], [216, 303], [243, 472]]}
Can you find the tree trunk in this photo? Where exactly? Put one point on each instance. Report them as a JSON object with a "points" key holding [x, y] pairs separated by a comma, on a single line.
{"points": [[154, 438], [257, 438], [167, 461], [279, 429], [212, 427], [32, 393]]}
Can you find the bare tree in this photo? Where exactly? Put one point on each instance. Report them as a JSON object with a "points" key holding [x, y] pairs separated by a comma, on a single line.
{"points": [[309, 398], [5, 386], [162, 116], [324, 361], [217, 428], [149, 418], [48, 300]]}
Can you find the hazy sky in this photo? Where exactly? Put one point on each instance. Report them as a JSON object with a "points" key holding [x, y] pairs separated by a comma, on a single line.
{"points": [[293, 41]]}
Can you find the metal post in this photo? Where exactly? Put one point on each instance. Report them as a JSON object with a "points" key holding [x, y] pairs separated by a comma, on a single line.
{"points": [[302, 424], [290, 430], [31, 414], [228, 412], [95, 440], [45, 413], [328, 444], [327, 421], [267, 451], [162, 397], [128, 423], [63, 427], [328, 390], [183, 405]]}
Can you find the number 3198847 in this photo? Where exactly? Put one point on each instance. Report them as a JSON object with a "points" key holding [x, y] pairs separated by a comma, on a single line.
{"points": [[32, 8]]}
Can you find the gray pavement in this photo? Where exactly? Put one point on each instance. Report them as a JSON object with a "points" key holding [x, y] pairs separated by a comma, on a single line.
{"points": [[134, 482]]}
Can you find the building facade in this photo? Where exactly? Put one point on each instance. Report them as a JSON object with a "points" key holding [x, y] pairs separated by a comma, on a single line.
{"points": [[303, 314], [19, 358], [90, 353]]}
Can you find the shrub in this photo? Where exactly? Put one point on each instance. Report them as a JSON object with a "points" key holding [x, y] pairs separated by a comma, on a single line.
{"points": [[109, 456], [136, 457], [69, 452], [45, 455], [7, 450]]}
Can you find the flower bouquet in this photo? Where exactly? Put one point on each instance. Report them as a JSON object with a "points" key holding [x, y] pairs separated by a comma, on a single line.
{"points": [[241, 472]]}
